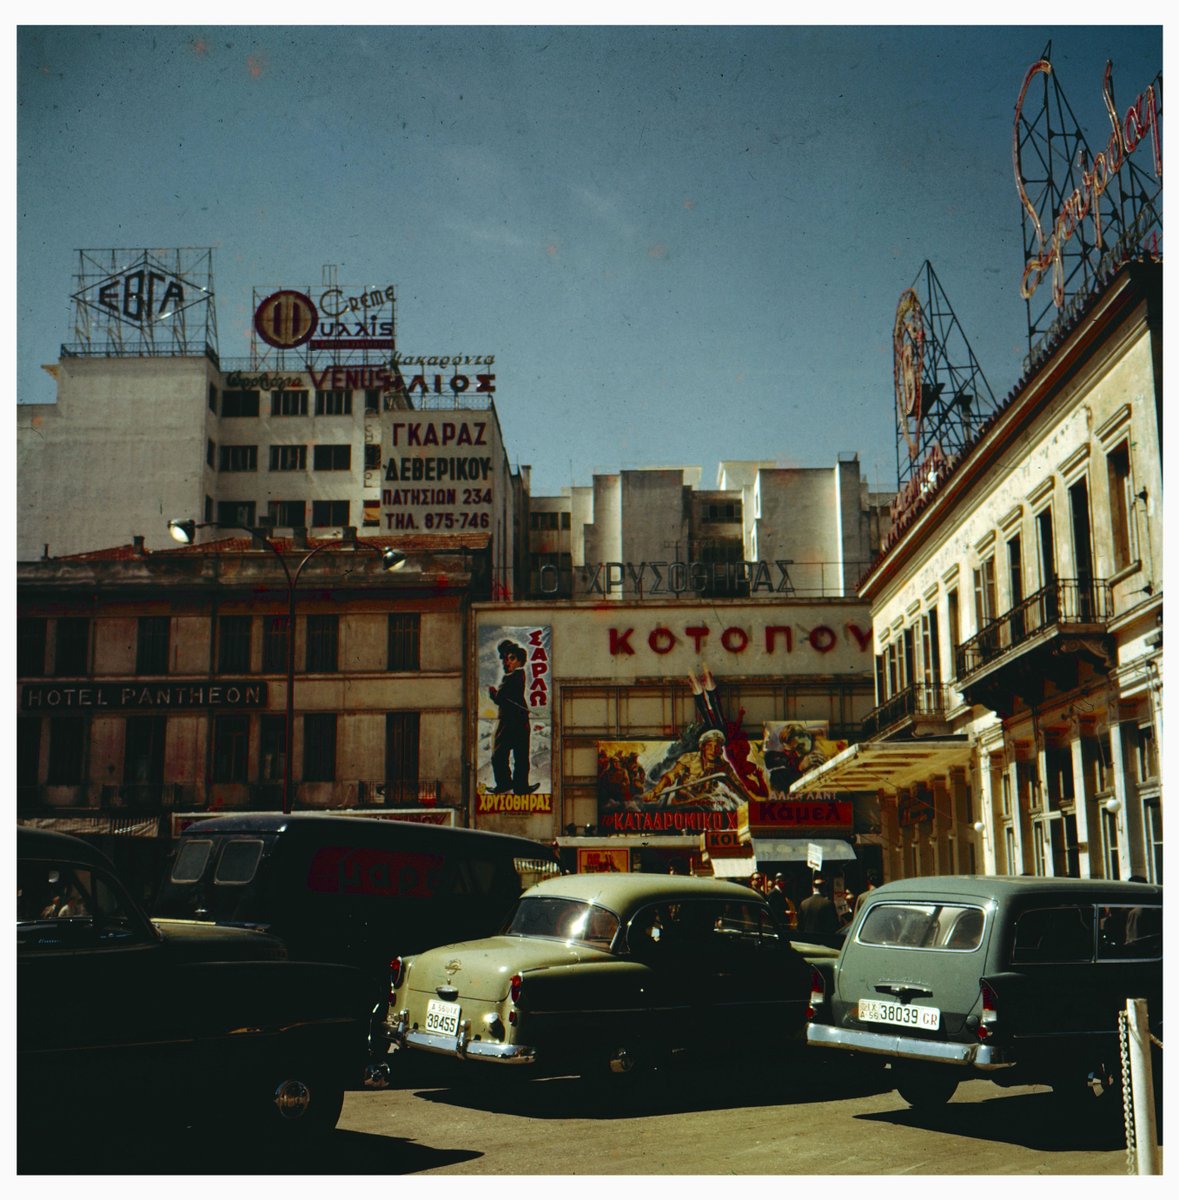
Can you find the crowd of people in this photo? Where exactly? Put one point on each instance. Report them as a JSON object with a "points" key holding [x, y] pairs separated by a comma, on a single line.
{"points": [[817, 913]]}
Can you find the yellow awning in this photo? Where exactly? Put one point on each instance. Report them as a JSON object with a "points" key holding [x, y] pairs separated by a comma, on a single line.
{"points": [[885, 766]]}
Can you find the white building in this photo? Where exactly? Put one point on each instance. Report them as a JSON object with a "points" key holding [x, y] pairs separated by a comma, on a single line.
{"points": [[1017, 620]]}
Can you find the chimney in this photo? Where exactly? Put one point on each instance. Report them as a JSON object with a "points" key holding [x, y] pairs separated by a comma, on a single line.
{"points": [[137, 545]]}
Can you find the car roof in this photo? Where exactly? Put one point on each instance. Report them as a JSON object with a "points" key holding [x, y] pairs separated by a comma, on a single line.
{"points": [[625, 890], [1000, 887], [319, 824], [46, 843]]}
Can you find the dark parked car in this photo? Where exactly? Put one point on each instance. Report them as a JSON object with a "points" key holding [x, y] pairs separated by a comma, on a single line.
{"points": [[134, 1023], [601, 974], [1017, 980], [352, 890]]}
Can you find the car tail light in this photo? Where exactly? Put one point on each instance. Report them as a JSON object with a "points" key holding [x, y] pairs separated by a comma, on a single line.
{"points": [[989, 1017], [818, 994], [514, 986], [396, 974]]}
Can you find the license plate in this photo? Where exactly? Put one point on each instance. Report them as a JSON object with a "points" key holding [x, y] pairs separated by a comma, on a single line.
{"points": [[916, 1016], [442, 1017]]}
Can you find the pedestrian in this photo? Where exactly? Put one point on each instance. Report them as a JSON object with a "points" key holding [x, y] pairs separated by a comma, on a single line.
{"points": [[816, 914], [780, 904], [757, 882]]}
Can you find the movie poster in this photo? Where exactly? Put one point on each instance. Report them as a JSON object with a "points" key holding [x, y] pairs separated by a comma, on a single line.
{"points": [[514, 726], [686, 786], [791, 749]]}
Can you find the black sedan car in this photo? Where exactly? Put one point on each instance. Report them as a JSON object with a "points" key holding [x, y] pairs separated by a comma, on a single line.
{"points": [[126, 1021]]}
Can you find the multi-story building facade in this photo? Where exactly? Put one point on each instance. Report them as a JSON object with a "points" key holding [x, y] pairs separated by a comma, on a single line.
{"points": [[656, 531], [153, 684], [1017, 623]]}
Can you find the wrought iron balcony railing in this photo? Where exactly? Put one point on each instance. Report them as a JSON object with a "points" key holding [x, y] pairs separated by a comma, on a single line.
{"points": [[917, 700], [1067, 602]]}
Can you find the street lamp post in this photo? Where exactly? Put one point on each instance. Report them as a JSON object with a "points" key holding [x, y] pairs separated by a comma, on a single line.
{"points": [[391, 558]]}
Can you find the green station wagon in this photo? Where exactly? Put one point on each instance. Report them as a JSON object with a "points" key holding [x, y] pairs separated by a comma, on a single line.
{"points": [[607, 974], [1019, 980]]}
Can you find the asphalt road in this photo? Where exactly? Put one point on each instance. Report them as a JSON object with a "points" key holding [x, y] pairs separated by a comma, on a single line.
{"points": [[807, 1120]]}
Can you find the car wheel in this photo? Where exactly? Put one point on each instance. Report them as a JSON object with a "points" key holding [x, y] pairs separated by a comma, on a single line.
{"points": [[925, 1087]]}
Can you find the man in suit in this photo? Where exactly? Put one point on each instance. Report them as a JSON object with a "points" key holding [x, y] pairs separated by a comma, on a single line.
{"points": [[816, 914]]}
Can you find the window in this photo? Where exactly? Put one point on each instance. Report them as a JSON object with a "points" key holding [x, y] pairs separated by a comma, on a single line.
{"points": [[333, 404], [30, 645], [1058, 762], [323, 633], [274, 644], [236, 513], [1078, 496], [239, 404], [404, 640], [143, 760], [66, 735], [1130, 931], [288, 404], [953, 627], [1111, 859], [151, 647], [372, 400], [924, 926], [371, 513], [372, 456], [1054, 935], [210, 452], [319, 747], [238, 458], [1146, 754], [212, 397], [333, 458], [401, 757], [727, 511], [72, 646], [239, 860], [329, 512], [288, 514], [1121, 500], [288, 458], [231, 744], [931, 667], [233, 645], [985, 604], [272, 741], [28, 751]]}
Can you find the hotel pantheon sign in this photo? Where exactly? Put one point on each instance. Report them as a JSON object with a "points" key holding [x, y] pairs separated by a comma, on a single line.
{"points": [[131, 694]]}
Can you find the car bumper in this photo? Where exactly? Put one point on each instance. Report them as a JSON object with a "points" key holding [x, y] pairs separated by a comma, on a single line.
{"points": [[975, 1055], [404, 1038]]}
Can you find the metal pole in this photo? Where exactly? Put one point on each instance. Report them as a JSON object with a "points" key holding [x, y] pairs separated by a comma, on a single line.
{"points": [[289, 737], [1146, 1138]]}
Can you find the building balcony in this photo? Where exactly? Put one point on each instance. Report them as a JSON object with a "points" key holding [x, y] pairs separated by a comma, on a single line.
{"points": [[918, 711], [1045, 639]]}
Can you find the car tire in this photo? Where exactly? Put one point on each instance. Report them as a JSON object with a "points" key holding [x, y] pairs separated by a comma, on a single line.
{"points": [[925, 1088]]}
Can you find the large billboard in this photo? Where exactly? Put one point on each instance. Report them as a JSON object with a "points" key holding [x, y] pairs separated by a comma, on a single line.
{"points": [[439, 471], [513, 761]]}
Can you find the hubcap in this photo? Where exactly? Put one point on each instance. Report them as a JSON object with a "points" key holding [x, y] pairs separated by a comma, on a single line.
{"points": [[292, 1098]]}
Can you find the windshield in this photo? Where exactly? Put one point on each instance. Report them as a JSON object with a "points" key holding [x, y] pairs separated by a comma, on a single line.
{"points": [[568, 920]]}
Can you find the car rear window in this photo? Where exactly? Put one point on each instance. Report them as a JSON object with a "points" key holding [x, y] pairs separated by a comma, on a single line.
{"points": [[239, 860], [569, 920], [191, 860], [923, 926]]}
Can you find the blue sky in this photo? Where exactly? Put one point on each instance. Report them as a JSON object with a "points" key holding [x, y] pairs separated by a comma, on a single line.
{"points": [[681, 244]]}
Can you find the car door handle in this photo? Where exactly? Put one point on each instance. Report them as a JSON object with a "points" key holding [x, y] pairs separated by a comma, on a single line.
{"points": [[903, 991]]}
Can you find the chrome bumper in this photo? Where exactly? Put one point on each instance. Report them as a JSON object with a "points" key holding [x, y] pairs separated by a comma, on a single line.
{"points": [[462, 1046], [890, 1045]]}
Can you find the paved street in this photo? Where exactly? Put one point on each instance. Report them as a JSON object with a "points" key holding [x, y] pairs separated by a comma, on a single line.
{"points": [[694, 1123]]}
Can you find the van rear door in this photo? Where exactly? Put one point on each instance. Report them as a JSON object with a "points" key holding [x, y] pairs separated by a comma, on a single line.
{"points": [[913, 969]]}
